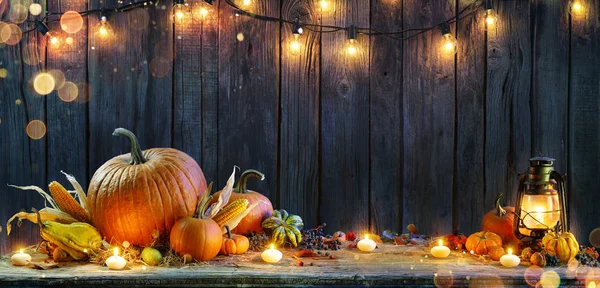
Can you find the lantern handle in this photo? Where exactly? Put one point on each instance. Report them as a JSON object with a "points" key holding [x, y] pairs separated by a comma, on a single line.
{"points": [[560, 181]]}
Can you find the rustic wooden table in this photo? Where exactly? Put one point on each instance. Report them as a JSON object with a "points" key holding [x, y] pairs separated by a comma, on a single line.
{"points": [[390, 265]]}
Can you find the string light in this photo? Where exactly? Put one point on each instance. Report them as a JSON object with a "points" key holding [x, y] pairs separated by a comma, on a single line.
{"points": [[180, 10], [246, 2], [491, 17], [449, 44], [576, 8], [352, 44], [104, 31], [295, 46], [324, 4]]}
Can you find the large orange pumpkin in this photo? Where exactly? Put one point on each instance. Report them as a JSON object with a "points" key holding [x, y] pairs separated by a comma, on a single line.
{"points": [[500, 221], [134, 194], [196, 235], [481, 242], [252, 221]]}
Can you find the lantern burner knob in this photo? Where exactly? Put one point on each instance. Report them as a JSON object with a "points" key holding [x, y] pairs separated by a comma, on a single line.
{"points": [[541, 161]]}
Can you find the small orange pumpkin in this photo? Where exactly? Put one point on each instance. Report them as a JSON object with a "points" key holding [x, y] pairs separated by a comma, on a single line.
{"points": [[481, 242], [234, 244], [496, 252], [538, 259], [500, 221], [197, 236]]}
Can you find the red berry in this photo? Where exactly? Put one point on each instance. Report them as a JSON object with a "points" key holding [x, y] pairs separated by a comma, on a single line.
{"points": [[330, 256], [300, 263]]}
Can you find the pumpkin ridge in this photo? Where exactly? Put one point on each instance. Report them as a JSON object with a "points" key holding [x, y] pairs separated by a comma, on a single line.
{"points": [[185, 196], [162, 197], [94, 193], [121, 200], [179, 188], [135, 171], [106, 229], [150, 202], [110, 227]]}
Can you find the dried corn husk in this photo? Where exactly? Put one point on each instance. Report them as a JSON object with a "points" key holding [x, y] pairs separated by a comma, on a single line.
{"points": [[46, 214], [223, 198], [45, 195], [80, 193]]}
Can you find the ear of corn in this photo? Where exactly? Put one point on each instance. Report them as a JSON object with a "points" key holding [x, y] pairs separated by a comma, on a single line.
{"points": [[230, 211], [67, 203]]}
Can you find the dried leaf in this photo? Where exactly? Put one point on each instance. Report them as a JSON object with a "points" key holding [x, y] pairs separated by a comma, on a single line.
{"points": [[43, 265], [46, 196], [223, 197], [306, 253], [46, 214], [80, 193]]}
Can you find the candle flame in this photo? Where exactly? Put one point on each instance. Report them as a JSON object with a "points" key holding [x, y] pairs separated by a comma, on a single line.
{"points": [[85, 250], [272, 247], [366, 236], [21, 251], [509, 251], [440, 242], [116, 251]]}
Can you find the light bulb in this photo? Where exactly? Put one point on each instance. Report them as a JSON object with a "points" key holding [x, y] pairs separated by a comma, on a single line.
{"points": [[246, 2], [491, 18], [577, 7], [324, 4], [352, 47], [104, 31], [180, 11], [203, 12], [295, 45], [54, 41]]}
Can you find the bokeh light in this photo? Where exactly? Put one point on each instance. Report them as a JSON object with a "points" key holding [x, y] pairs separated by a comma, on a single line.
{"points": [[18, 13], [59, 78], [159, 67], [69, 40], [69, 92], [443, 279], [36, 129], [595, 237], [35, 9], [549, 279], [43, 83], [71, 22], [533, 274], [138, 19], [240, 37], [11, 34], [3, 72]]}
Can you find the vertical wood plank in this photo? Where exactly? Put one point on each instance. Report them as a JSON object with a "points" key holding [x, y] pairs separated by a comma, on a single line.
{"points": [[470, 126], [249, 94], [508, 118], [429, 104], [584, 122], [195, 86], [130, 80], [67, 121], [386, 118], [345, 121], [23, 158], [299, 131], [549, 98]]}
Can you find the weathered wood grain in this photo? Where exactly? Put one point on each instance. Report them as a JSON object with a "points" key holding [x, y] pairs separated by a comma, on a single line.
{"points": [[67, 121], [345, 121], [130, 81], [23, 158], [386, 134], [584, 122], [470, 123], [429, 110], [299, 125], [508, 115], [249, 95], [195, 86], [549, 90]]}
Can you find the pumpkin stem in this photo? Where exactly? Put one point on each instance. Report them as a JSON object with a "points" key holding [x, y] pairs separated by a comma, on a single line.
{"points": [[137, 157], [241, 186], [499, 210], [228, 231]]}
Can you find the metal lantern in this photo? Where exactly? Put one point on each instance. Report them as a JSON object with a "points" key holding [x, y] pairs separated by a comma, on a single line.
{"points": [[541, 205]]}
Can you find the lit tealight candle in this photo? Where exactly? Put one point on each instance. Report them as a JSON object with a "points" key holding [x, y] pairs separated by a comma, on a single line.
{"points": [[510, 260], [440, 251], [366, 245], [116, 262], [271, 255], [20, 259]]}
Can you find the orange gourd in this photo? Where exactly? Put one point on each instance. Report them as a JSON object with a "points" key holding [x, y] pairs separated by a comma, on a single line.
{"points": [[134, 194], [234, 244], [496, 252], [481, 242], [197, 236], [252, 221], [500, 221]]}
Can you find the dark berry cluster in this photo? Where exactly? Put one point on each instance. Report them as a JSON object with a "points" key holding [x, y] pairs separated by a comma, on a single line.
{"points": [[314, 239], [588, 256], [551, 260], [258, 241]]}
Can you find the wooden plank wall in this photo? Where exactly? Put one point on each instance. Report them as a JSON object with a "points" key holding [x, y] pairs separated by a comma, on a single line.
{"points": [[398, 134]]}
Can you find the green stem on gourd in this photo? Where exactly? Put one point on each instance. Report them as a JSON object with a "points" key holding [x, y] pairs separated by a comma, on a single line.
{"points": [[137, 156], [241, 186], [499, 210], [228, 231]]}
